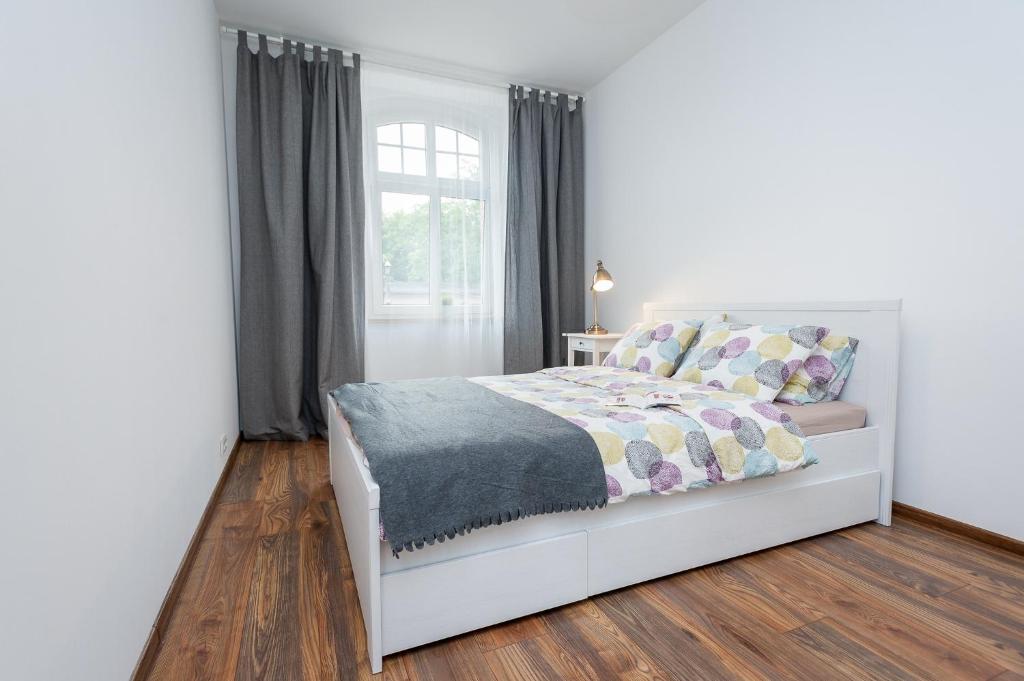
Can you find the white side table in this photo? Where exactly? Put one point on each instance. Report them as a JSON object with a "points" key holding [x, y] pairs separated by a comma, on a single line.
{"points": [[597, 346]]}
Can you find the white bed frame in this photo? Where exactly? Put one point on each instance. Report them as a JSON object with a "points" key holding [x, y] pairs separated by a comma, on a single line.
{"points": [[500, 573]]}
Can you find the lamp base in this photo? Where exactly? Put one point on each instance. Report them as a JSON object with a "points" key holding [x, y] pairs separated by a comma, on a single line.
{"points": [[596, 330]]}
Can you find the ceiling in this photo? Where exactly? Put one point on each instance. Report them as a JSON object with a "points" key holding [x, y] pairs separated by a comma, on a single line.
{"points": [[566, 45]]}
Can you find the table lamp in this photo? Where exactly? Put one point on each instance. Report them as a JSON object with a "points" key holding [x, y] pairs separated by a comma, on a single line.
{"points": [[602, 282]]}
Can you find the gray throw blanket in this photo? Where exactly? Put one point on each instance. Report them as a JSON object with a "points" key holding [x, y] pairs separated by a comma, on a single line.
{"points": [[451, 456]]}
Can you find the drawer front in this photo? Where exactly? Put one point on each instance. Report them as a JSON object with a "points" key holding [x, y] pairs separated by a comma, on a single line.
{"points": [[638, 550], [435, 601], [582, 344]]}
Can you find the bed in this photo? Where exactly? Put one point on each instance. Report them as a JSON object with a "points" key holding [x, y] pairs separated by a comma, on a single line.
{"points": [[514, 569]]}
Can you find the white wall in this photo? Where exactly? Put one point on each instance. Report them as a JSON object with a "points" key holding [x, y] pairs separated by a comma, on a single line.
{"points": [[116, 344], [808, 150]]}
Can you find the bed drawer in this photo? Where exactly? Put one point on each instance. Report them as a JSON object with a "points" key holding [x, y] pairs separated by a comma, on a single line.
{"points": [[436, 601], [631, 552]]}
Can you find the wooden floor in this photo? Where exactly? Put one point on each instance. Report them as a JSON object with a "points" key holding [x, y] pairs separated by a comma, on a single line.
{"points": [[271, 596]]}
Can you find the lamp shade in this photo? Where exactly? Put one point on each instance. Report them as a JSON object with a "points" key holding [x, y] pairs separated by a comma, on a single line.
{"points": [[602, 280]]}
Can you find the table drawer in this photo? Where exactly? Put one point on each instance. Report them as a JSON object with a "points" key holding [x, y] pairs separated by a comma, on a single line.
{"points": [[582, 344]]}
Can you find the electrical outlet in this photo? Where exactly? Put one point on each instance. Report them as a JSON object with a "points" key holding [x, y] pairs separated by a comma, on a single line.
{"points": [[223, 446]]}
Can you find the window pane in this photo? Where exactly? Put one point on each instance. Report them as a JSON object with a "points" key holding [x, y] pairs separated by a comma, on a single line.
{"points": [[447, 165], [413, 135], [469, 167], [415, 161], [405, 248], [468, 145], [461, 251], [389, 134], [445, 139], [389, 159]]}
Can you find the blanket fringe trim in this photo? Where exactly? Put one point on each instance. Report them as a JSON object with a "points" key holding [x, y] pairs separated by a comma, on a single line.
{"points": [[496, 518]]}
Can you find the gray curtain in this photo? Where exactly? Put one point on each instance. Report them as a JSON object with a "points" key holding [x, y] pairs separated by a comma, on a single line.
{"points": [[300, 209], [545, 283]]}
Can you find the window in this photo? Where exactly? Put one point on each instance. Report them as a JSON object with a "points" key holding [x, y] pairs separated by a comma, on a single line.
{"points": [[401, 148], [458, 155], [430, 244]]}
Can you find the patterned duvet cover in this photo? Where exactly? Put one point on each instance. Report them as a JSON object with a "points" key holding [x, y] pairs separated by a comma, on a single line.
{"points": [[713, 436]]}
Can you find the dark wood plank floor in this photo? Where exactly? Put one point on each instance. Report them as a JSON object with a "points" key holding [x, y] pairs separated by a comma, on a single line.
{"points": [[271, 596]]}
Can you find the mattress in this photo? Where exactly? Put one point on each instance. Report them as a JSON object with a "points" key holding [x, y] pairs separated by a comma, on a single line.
{"points": [[826, 417]]}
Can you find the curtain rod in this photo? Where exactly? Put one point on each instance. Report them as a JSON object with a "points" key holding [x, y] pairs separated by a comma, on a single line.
{"points": [[406, 63]]}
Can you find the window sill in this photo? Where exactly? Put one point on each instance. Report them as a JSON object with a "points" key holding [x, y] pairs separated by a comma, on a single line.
{"points": [[446, 318]]}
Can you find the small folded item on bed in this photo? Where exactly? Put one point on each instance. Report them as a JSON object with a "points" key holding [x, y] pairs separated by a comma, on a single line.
{"points": [[645, 401], [451, 456]]}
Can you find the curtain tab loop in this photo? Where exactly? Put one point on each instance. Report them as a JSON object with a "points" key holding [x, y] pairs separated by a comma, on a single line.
{"points": [[263, 44], [243, 39], [300, 51]]}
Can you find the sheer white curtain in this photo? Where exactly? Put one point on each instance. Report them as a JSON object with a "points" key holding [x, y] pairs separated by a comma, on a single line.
{"points": [[435, 166]]}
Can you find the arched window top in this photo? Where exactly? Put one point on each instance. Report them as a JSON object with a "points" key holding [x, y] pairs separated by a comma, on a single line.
{"points": [[426, 150], [458, 154]]}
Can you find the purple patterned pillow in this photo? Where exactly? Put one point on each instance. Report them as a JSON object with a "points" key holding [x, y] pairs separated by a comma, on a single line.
{"points": [[823, 374], [653, 347], [744, 358]]}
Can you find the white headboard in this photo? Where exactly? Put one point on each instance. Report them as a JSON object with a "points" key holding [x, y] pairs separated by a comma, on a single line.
{"points": [[873, 383]]}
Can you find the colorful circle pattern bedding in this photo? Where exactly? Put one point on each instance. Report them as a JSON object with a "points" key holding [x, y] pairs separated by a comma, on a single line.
{"points": [[753, 360], [823, 374], [653, 347], [712, 436]]}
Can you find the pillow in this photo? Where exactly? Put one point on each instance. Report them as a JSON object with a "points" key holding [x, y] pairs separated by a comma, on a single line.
{"points": [[823, 374], [654, 347], [708, 323], [754, 360]]}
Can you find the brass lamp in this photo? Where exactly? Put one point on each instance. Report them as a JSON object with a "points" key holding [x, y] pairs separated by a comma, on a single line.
{"points": [[602, 282]]}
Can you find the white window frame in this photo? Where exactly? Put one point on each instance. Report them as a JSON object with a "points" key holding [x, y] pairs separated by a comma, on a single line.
{"points": [[460, 119]]}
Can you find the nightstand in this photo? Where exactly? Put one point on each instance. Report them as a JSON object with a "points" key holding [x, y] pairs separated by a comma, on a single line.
{"points": [[597, 346]]}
